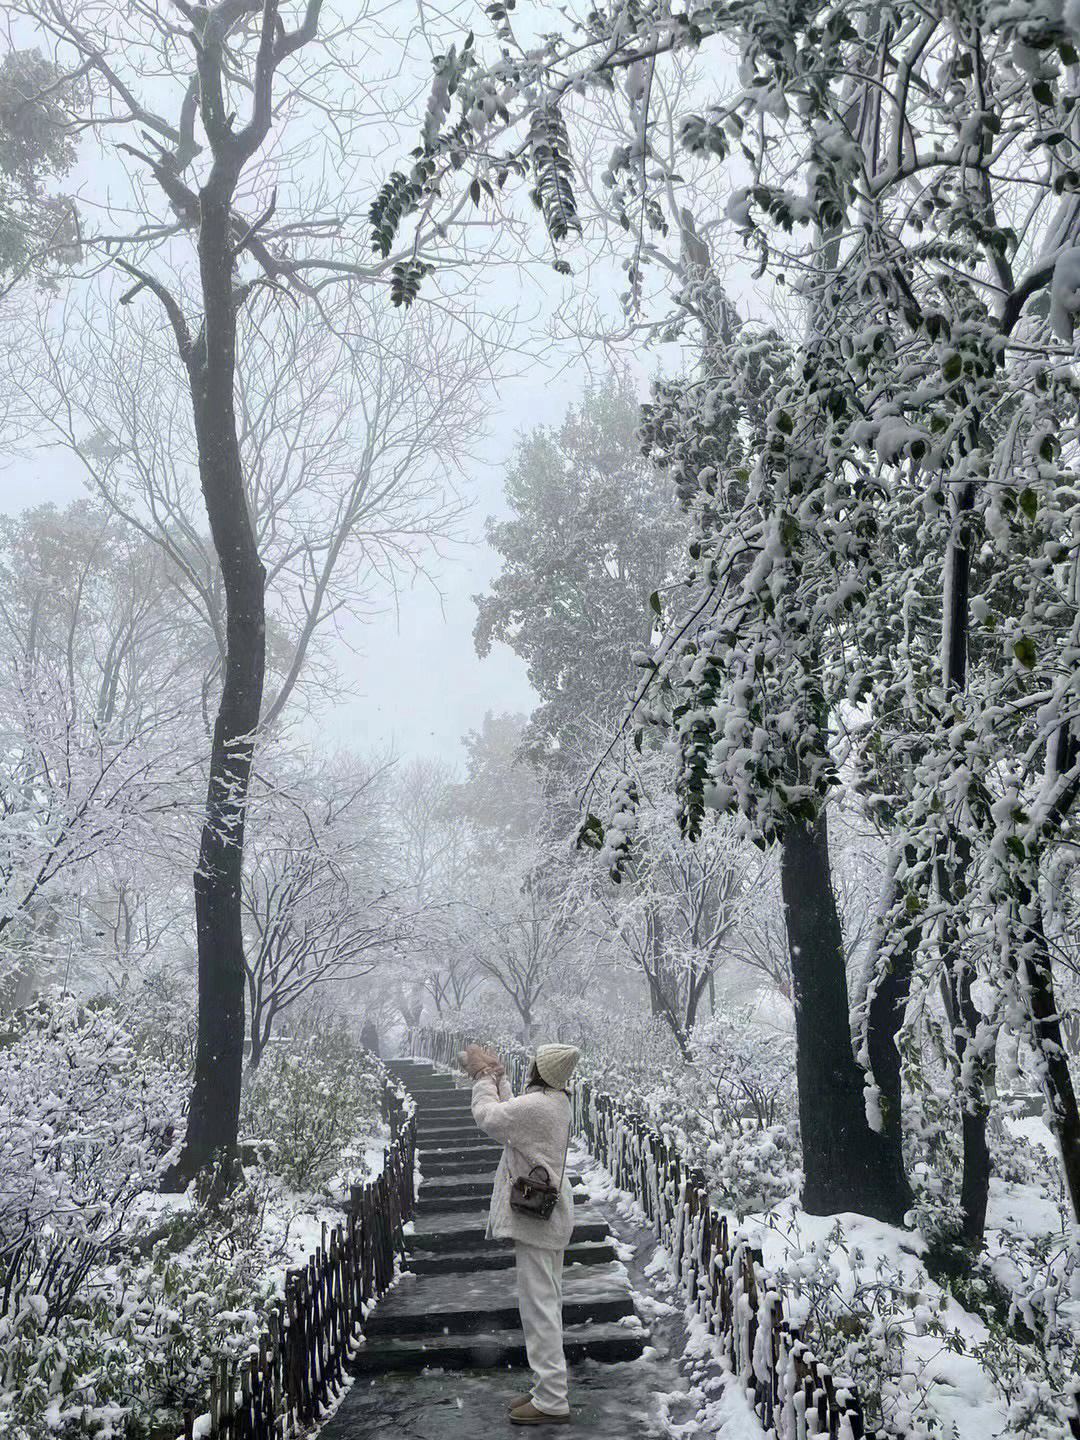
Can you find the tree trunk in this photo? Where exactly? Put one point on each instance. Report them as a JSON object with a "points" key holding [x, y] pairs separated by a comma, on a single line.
{"points": [[847, 1166], [694, 991], [214, 1114], [974, 1111], [1054, 1061], [262, 1023], [655, 939], [975, 1178], [884, 1021]]}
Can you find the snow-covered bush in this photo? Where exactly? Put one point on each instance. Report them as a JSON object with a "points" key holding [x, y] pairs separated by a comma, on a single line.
{"points": [[160, 1018], [732, 1112], [138, 1344], [862, 1307], [920, 1351], [87, 1125], [116, 1302], [1033, 1348], [305, 1105], [623, 1047]]}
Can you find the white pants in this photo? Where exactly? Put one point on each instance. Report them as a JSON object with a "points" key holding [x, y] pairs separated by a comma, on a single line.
{"points": [[539, 1287]]}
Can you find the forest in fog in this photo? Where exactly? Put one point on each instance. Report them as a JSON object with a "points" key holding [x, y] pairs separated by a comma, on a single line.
{"points": [[528, 525]]}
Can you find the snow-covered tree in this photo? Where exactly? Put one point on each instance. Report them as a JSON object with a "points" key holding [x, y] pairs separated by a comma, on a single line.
{"points": [[903, 540], [320, 902], [230, 199]]}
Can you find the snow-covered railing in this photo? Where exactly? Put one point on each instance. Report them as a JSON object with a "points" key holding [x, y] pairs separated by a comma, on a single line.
{"points": [[723, 1278], [308, 1336]]}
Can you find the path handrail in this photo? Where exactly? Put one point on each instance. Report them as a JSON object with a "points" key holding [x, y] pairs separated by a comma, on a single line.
{"points": [[724, 1279], [298, 1361]]}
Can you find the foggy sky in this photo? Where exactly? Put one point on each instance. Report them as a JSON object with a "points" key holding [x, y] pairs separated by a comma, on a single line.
{"points": [[417, 683]]}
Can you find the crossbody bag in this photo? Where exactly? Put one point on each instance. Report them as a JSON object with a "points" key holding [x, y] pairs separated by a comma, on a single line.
{"points": [[533, 1194]]}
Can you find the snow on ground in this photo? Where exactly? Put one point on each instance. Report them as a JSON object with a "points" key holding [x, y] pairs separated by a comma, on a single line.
{"points": [[1021, 1209], [1032, 1128], [706, 1402], [857, 1261], [857, 1255], [295, 1223]]}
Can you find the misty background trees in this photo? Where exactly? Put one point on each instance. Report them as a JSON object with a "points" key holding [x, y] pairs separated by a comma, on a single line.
{"points": [[782, 835]]}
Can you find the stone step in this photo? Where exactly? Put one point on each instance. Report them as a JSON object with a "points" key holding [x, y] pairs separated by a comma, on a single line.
{"points": [[463, 1151], [455, 1230], [453, 1162], [487, 1257], [440, 1186], [495, 1350], [467, 1140], [457, 1144], [481, 1165], [464, 1303], [462, 1148], [446, 1187], [434, 1204]]}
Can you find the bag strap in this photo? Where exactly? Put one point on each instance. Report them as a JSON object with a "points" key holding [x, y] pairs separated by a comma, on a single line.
{"points": [[566, 1147]]}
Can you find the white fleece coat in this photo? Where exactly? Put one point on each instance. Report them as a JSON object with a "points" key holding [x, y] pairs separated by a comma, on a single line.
{"points": [[533, 1128]]}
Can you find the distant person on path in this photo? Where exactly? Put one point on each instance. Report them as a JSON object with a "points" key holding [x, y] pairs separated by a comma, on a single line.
{"points": [[534, 1128]]}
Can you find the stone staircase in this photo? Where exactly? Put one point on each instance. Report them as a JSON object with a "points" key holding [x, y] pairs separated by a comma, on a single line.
{"points": [[457, 1308]]}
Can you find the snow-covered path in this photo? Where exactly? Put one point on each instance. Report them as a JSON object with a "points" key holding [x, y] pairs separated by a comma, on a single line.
{"points": [[675, 1390]]}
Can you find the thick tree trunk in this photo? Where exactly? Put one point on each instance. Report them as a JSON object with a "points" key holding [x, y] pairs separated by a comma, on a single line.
{"points": [[213, 1118], [847, 1166]]}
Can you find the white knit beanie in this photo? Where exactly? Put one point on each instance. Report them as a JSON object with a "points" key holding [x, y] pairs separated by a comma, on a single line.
{"points": [[555, 1062]]}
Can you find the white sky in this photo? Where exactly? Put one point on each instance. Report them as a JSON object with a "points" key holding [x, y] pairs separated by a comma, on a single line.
{"points": [[416, 681]]}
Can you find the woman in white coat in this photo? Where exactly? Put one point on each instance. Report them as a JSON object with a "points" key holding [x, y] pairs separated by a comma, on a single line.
{"points": [[534, 1128]]}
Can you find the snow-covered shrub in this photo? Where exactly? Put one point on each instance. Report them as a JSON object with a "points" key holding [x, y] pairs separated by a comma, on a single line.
{"points": [[863, 1308], [139, 1343], [160, 1018], [732, 1112], [1033, 1350], [87, 1125], [624, 1047], [1016, 1159], [124, 1300], [305, 1105]]}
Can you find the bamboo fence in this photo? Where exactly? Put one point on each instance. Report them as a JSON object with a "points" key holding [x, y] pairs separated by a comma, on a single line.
{"points": [[298, 1363]]}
